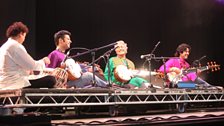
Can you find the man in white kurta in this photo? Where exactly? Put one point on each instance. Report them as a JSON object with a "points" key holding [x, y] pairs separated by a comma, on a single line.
{"points": [[15, 65], [15, 62]]}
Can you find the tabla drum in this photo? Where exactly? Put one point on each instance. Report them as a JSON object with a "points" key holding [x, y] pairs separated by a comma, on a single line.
{"points": [[122, 74], [37, 74], [61, 77]]}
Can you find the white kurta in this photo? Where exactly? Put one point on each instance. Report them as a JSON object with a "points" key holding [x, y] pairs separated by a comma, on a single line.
{"points": [[15, 63]]}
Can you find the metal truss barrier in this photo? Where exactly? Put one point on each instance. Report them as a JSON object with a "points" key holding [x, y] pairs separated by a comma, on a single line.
{"points": [[97, 97]]}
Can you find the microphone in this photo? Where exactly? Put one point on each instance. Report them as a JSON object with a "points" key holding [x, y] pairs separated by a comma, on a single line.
{"points": [[66, 57], [157, 44], [105, 54], [196, 62], [113, 48], [146, 55], [151, 54], [109, 52], [202, 58]]}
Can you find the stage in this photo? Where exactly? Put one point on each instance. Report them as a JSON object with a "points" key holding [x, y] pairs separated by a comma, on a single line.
{"points": [[97, 105], [112, 97]]}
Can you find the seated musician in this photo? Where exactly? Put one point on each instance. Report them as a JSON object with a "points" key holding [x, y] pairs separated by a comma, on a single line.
{"points": [[174, 67], [122, 60], [79, 79], [16, 64]]}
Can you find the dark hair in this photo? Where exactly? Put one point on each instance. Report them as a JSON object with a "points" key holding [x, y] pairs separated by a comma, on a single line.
{"points": [[16, 28], [60, 34], [181, 48]]}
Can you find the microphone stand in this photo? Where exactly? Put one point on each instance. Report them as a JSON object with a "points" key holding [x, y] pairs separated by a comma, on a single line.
{"points": [[77, 48], [165, 78], [92, 51], [93, 68], [197, 63], [107, 54], [149, 58]]}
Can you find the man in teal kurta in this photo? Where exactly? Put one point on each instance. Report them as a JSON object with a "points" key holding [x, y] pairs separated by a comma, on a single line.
{"points": [[120, 59]]}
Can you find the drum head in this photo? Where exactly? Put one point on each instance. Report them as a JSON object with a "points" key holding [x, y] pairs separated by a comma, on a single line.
{"points": [[73, 68], [122, 73]]}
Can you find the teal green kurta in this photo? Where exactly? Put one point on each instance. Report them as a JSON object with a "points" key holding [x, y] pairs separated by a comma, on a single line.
{"points": [[113, 63]]}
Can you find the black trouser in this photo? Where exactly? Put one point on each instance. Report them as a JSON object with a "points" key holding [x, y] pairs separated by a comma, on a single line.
{"points": [[44, 82]]}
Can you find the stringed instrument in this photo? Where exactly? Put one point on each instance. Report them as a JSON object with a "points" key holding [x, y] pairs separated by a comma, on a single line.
{"points": [[75, 71], [175, 78], [123, 74]]}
